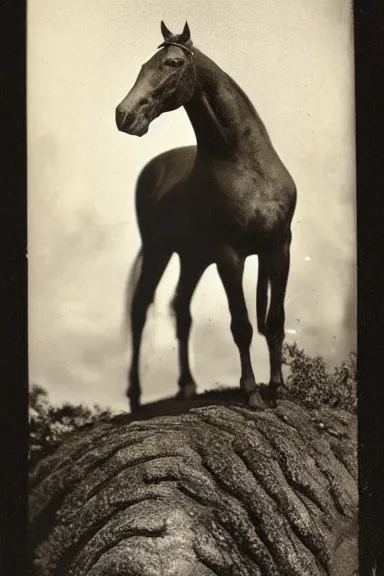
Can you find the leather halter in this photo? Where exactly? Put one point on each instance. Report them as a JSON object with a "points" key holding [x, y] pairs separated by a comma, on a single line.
{"points": [[166, 43]]}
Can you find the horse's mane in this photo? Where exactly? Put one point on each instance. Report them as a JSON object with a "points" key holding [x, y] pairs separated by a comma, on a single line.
{"points": [[250, 105]]}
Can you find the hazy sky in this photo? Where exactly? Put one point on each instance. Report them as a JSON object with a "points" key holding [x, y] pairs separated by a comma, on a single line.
{"points": [[294, 59]]}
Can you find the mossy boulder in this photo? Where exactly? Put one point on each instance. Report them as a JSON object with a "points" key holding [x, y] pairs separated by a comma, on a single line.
{"points": [[215, 490]]}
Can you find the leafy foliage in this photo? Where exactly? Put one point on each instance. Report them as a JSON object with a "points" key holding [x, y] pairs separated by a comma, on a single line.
{"points": [[311, 383], [48, 424]]}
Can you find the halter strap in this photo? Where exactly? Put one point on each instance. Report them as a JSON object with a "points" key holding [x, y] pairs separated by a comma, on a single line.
{"points": [[166, 43]]}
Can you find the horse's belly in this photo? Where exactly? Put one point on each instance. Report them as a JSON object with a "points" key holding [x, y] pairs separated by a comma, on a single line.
{"points": [[250, 222]]}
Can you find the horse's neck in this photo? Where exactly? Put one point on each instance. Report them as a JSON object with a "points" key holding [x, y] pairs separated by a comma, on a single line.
{"points": [[222, 116]]}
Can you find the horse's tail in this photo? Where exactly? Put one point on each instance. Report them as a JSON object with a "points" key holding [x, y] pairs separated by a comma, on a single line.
{"points": [[132, 281], [262, 297]]}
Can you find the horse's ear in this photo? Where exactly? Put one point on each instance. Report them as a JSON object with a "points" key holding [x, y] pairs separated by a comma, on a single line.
{"points": [[165, 32], [186, 34]]}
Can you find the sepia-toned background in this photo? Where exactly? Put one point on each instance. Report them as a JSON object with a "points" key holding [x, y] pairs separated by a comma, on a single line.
{"points": [[295, 61]]}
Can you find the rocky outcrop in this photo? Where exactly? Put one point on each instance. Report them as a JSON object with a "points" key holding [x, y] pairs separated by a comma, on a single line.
{"points": [[219, 490]]}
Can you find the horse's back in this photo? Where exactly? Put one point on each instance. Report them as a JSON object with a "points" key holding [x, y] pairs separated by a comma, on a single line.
{"points": [[160, 175]]}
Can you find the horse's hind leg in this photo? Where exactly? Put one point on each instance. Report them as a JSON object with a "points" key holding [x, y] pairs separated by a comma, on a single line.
{"points": [[231, 267], [155, 260], [278, 269], [190, 274]]}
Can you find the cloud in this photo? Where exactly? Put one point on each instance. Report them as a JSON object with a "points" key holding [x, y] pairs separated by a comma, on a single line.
{"points": [[295, 61]]}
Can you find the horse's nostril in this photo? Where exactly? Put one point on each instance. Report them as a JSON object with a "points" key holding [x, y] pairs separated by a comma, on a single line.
{"points": [[123, 117], [143, 101], [120, 113]]}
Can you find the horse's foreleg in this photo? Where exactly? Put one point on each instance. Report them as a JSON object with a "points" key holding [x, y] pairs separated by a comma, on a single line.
{"points": [[262, 296], [190, 274], [154, 264], [231, 267], [278, 270]]}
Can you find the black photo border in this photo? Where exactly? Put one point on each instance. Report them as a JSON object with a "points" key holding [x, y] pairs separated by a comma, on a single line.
{"points": [[13, 290], [369, 69]]}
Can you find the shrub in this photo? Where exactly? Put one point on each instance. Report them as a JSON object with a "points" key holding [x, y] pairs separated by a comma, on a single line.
{"points": [[48, 424], [311, 383]]}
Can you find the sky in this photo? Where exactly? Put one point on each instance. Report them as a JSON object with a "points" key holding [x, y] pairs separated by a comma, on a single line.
{"points": [[294, 59]]}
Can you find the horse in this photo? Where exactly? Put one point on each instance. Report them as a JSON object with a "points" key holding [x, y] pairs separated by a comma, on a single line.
{"points": [[217, 202]]}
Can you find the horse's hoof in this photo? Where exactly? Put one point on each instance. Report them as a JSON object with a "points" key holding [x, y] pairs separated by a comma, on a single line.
{"points": [[187, 392], [135, 408], [282, 392], [273, 402], [255, 401], [134, 405], [248, 385], [269, 395], [274, 392]]}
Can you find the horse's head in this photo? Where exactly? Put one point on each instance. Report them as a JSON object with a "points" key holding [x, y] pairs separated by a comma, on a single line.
{"points": [[165, 82]]}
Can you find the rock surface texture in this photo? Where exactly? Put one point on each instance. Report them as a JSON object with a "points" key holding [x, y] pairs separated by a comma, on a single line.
{"points": [[218, 490]]}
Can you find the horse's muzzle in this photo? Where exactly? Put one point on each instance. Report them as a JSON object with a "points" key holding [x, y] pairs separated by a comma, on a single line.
{"points": [[123, 118], [130, 123]]}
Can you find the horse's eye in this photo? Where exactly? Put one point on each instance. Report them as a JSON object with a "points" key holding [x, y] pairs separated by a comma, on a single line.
{"points": [[173, 62]]}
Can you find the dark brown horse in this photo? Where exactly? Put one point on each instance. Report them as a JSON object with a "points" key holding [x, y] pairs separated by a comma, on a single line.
{"points": [[218, 202]]}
